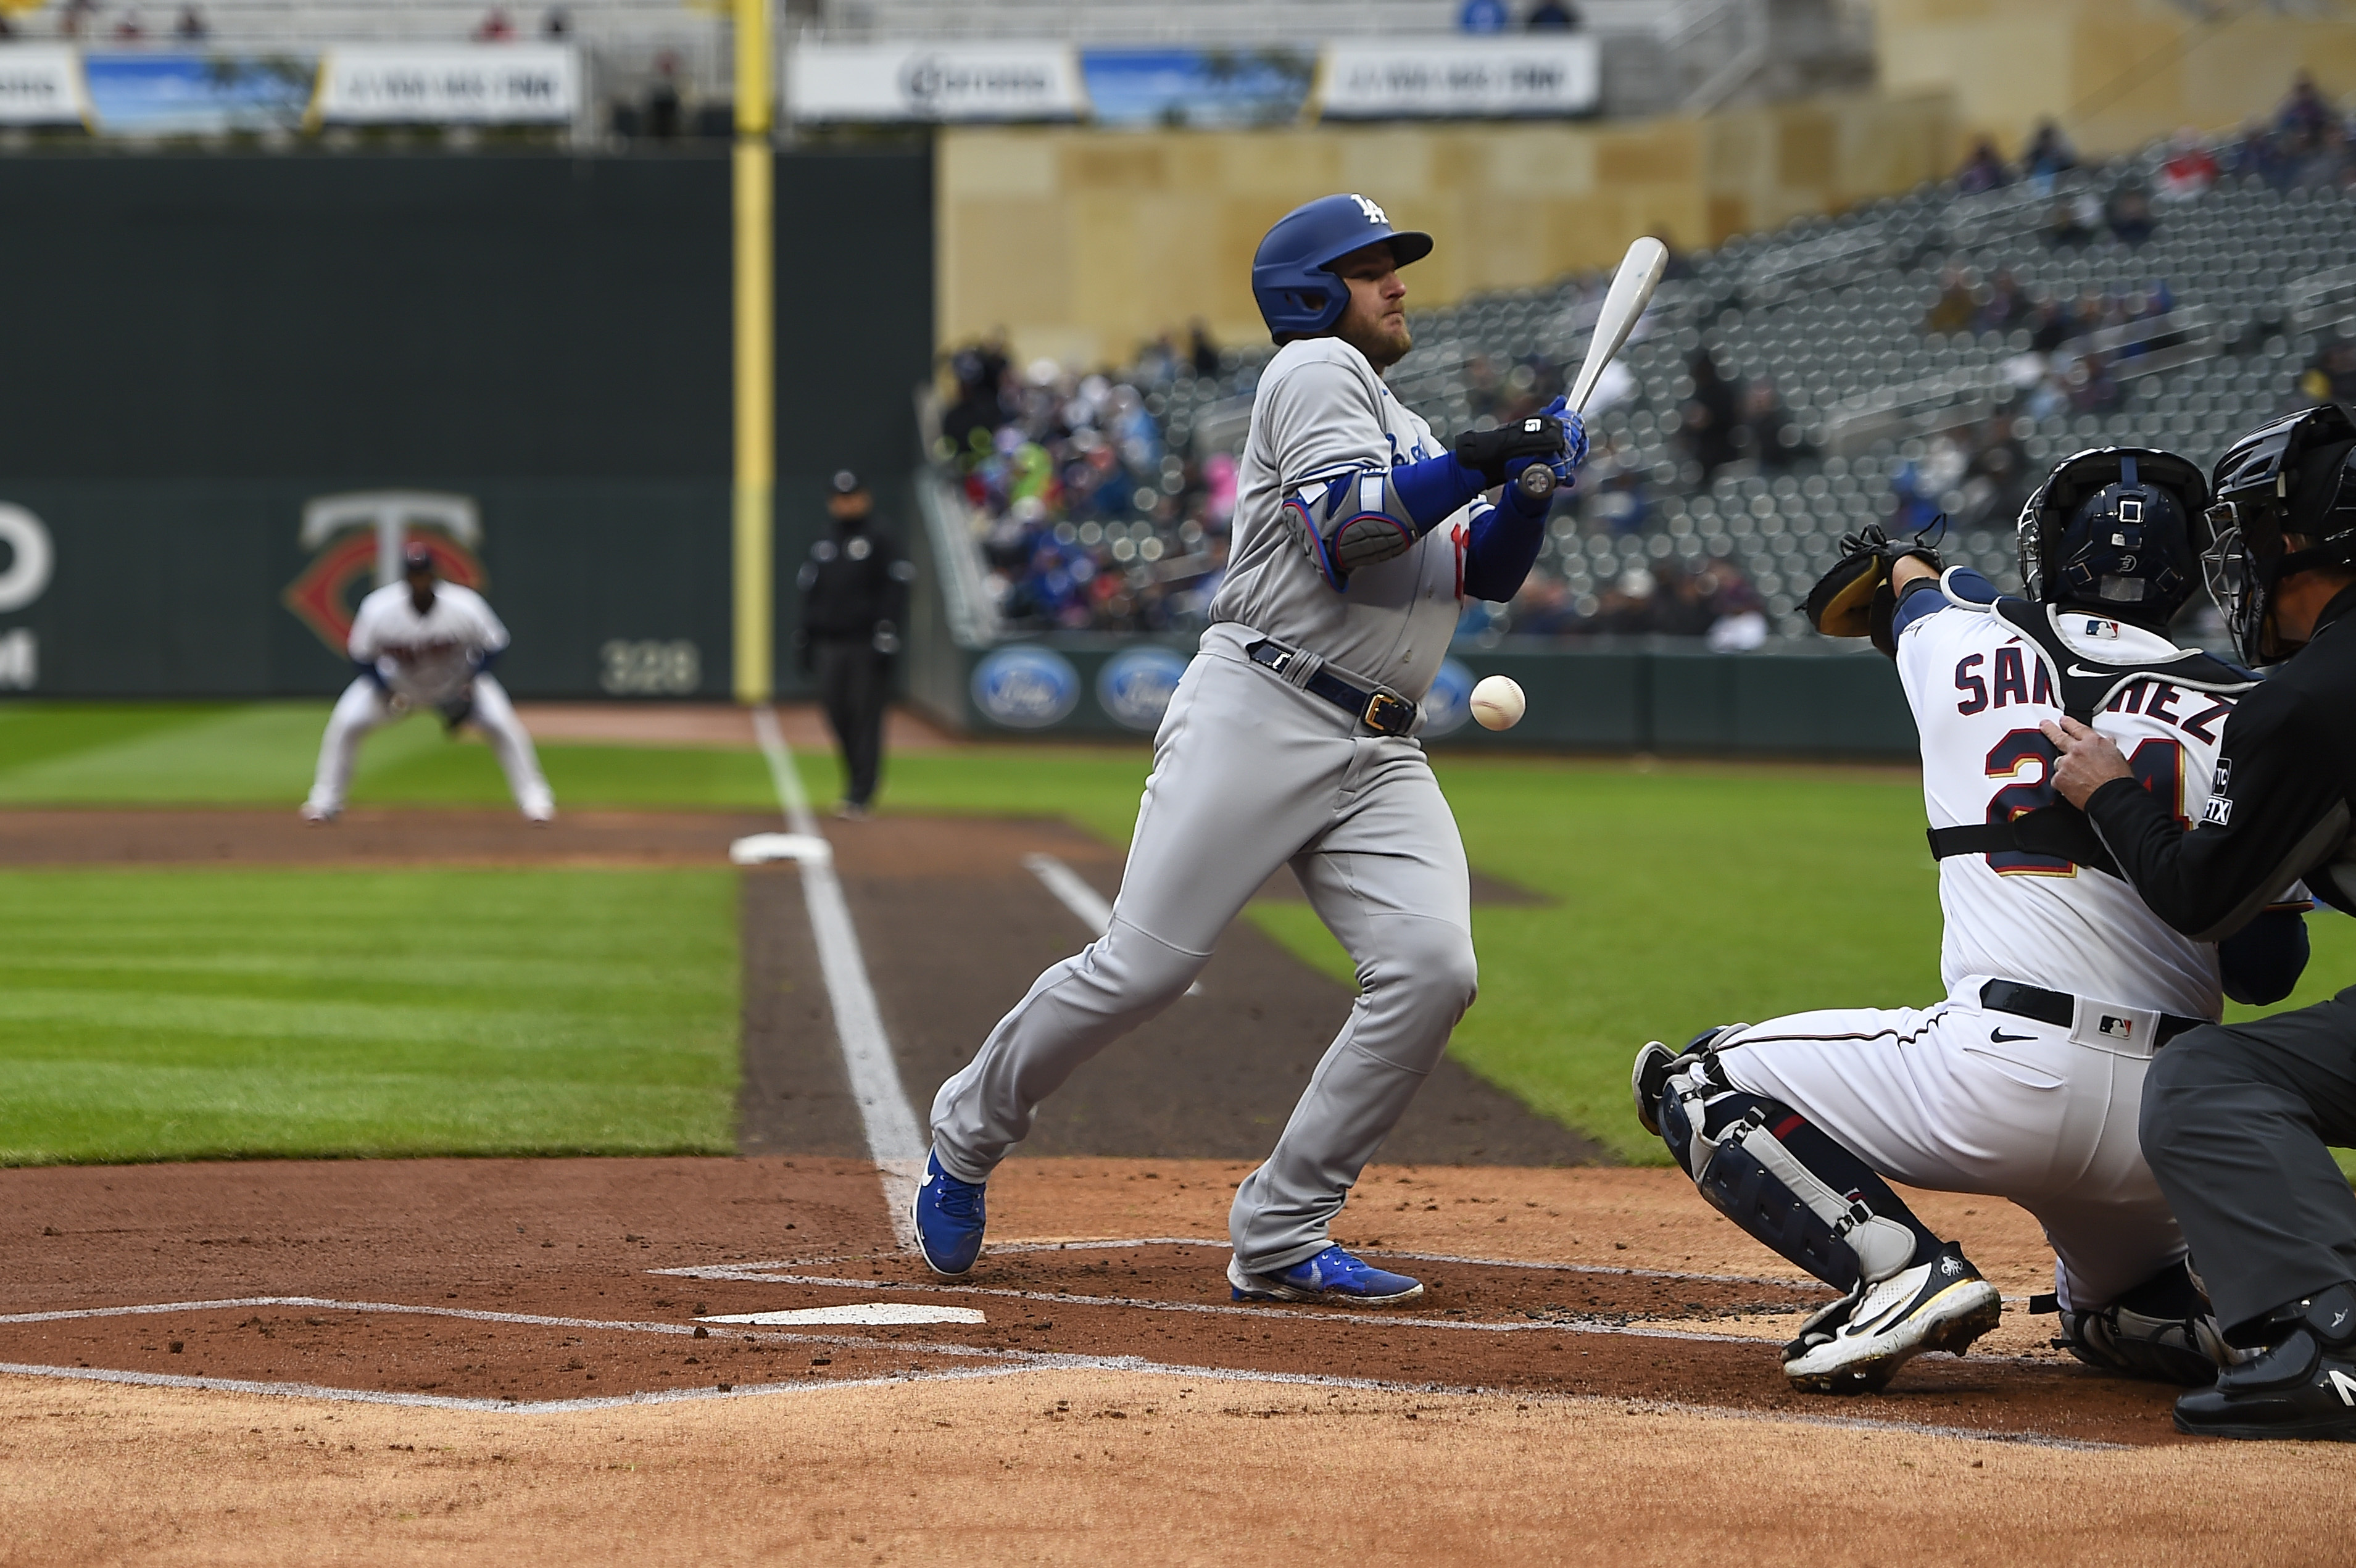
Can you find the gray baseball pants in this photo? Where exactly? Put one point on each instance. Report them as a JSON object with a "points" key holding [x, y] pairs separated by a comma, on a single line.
{"points": [[2238, 1120], [1250, 773]]}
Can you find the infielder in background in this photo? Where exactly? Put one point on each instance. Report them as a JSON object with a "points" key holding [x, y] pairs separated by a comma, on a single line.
{"points": [[1291, 739], [2026, 1082], [420, 643]]}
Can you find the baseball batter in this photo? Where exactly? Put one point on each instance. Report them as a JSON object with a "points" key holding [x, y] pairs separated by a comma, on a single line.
{"points": [[1291, 739], [420, 643], [2026, 1081]]}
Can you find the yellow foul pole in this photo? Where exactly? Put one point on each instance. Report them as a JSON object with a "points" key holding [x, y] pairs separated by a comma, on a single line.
{"points": [[756, 465]]}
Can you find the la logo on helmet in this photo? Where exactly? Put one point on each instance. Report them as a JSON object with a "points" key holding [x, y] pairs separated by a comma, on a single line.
{"points": [[1374, 213]]}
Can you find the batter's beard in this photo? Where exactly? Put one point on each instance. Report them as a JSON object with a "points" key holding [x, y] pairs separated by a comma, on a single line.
{"points": [[1382, 349]]}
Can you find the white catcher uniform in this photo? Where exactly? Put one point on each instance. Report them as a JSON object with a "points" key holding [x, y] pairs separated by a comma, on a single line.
{"points": [[1960, 1098], [428, 660], [1253, 770]]}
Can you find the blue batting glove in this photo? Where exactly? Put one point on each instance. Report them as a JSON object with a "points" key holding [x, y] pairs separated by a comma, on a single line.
{"points": [[1574, 435]]}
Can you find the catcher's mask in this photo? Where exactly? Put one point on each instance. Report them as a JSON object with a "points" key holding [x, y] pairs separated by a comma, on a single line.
{"points": [[2118, 531], [2287, 480]]}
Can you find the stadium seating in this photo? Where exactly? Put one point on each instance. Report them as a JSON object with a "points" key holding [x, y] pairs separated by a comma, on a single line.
{"points": [[1833, 310]]}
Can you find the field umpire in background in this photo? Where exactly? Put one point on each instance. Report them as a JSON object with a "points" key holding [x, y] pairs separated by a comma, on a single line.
{"points": [[2236, 1117], [854, 603]]}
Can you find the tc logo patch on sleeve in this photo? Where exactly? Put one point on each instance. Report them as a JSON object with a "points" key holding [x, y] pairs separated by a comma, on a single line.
{"points": [[2219, 811]]}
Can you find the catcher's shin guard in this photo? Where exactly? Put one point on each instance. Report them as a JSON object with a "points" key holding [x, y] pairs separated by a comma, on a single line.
{"points": [[2163, 1329], [1762, 1165]]}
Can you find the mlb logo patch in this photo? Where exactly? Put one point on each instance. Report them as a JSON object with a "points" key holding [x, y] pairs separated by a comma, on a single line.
{"points": [[2219, 811], [2115, 1027], [2109, 628]]}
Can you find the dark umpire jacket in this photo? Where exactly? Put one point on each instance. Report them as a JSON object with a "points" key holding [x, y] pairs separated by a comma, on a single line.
{"points": [[854, 587], [2284, 805]]}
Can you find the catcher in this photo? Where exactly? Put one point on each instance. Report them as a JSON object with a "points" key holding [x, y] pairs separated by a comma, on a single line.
{"points": [[2026, 1082]]}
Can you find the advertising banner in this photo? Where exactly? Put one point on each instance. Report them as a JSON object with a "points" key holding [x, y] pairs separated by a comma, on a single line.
{"points": [[448, 84], [41, 85], [1498, 76], [196, 95], [933, 81], [1208, 89]]}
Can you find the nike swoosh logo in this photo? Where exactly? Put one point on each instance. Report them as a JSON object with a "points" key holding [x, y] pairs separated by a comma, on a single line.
{"points": [[2089, 674], [2000, 1037]]}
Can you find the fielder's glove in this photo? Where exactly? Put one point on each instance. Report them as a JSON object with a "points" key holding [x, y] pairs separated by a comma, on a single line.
{"points": [[1855, 599], [456, 711]]}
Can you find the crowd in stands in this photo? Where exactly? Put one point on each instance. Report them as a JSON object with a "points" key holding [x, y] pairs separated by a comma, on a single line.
{"points": [[1089, 520], [2308, 141]]}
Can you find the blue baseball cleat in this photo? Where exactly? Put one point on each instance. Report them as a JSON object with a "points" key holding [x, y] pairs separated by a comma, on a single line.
{"points": [[950, 1216], [1331, 1276]]}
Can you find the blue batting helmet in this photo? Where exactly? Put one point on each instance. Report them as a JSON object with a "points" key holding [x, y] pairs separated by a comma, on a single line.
{"points": [[1297, 294]]}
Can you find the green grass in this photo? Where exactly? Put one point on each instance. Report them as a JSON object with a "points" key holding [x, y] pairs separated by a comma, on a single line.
{"points": [[211, 1014], [263, 754], [1686, 894]]}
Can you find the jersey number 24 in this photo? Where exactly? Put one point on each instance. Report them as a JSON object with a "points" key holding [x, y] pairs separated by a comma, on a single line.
{"points": [[2158, 765]]}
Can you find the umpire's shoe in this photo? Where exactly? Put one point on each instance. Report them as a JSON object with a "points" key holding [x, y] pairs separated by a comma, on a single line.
{"points": [[949, 1217], [1939, 1305], [1333, 1276], [2304, 1386]]}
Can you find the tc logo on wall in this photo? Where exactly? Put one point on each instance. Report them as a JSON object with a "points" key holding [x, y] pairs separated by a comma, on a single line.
{"points": [[27, 561], [357, 539]]}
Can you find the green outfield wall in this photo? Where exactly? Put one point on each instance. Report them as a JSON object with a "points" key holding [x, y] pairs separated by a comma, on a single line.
{"points": [[203, 352]]}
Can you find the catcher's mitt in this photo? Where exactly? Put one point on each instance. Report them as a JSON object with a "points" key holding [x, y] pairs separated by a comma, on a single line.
{"points": [[1855, 599]]}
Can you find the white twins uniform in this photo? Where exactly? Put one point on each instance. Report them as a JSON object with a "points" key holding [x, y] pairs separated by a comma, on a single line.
{"points": [[1962, 1099], [426, 661], [1251, 771]]}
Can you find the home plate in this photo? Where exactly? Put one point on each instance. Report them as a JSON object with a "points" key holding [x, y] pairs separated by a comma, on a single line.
{"points": [[870, 1312]]}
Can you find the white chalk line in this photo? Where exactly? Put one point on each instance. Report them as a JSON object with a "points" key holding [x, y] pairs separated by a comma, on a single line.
{"points": [[1375, 1318], [1008, 1249], [1072, 890], [1033, 1362], [893, 1140], [1009, 1361]]}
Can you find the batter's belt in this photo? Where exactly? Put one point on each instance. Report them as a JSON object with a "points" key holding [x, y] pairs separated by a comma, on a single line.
{"points": [[1383, 712]]}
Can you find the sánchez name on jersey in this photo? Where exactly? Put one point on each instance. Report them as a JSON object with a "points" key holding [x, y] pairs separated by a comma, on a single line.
{"points": [[1980, 688]]}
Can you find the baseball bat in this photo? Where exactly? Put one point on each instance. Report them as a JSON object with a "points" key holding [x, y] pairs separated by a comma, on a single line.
{"points": [[1631, 291]]}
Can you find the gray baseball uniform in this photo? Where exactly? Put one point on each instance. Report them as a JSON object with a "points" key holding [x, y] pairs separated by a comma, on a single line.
{"points": [[1250, 771]]}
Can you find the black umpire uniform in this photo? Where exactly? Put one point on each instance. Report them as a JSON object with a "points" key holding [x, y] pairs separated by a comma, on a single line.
{"points": [[2237, 1118], [854, 602]]}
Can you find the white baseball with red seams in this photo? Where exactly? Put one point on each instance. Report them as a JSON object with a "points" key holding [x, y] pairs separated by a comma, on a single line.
{"points": [[1498, 702]]}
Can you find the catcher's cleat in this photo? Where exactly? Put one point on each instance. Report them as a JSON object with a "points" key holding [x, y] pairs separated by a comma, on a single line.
{"points": [[1821, 1325], [1333, 1276], [1941, 1305]]}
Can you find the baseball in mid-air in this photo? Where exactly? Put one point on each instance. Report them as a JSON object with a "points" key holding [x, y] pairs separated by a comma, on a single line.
{"points": [[1497, 702]]}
